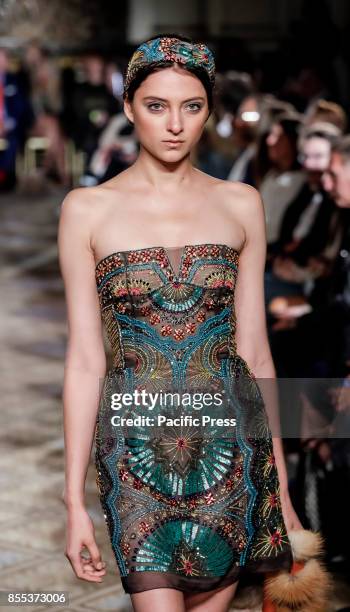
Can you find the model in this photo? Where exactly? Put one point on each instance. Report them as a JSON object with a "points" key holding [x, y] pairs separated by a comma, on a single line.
{"points": [[195, 493]]}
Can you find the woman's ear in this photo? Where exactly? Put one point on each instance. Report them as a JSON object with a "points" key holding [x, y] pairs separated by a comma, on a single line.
{"points": [[128, 111]]}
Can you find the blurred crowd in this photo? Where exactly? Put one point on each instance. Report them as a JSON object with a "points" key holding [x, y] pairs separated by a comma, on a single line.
{"points": [[292, 145], [49, 106], [294, 148]]}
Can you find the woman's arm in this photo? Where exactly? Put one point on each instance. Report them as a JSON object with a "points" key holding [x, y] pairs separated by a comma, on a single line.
{"points": [[251, 335], [85, 362]]}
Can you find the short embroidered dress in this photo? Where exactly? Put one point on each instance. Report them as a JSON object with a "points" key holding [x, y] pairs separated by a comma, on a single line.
{"points": [[190, 497]]}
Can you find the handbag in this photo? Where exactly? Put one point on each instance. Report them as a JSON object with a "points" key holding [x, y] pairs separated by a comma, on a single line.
{"points": [[307, 586]]}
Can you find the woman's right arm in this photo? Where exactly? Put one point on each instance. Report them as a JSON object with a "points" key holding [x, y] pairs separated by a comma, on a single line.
{"points": [[85, 367]]}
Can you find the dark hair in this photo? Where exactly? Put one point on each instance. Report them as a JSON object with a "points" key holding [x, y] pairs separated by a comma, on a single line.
{"points": [[290, 123], [145, 71]]}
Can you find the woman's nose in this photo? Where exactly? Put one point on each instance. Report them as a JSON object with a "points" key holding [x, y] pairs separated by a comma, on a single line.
{"points": [[175, 122]]}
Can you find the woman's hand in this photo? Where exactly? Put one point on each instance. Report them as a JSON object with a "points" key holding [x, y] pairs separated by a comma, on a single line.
{"points": [[80, 534], [290, 517]]}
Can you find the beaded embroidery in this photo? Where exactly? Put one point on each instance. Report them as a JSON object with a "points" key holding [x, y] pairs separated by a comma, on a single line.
{"points": [[189, 502], [170, 49]]}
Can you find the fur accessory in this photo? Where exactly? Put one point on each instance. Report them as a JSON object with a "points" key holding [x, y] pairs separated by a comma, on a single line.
{"points": [[306, 588]]}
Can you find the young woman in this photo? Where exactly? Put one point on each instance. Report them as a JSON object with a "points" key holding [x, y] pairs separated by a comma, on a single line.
{"points": [[174, 261]]}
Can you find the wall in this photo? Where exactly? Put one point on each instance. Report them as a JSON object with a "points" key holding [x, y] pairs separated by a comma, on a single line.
{"points": [[257, 20]]}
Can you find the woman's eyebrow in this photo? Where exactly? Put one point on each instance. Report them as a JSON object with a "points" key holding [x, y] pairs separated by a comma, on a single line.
{"points": [[165, 100]]}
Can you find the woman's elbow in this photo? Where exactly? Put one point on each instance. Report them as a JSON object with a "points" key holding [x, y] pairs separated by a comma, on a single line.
{"points": [[87, 356]]}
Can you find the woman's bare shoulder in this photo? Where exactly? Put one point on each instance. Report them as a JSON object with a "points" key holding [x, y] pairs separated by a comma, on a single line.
{"points": [[85, 198], [243, 205], [91, 202], [236, 191], [230, 191], [238, 198]]}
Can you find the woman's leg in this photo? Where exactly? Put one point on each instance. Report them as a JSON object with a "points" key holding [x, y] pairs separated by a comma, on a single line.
{"points": [[217, 600], [173, 600], [158, 600]]}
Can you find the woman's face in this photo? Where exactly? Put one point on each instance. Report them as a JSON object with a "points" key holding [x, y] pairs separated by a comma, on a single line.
{"points": [[169, 105], [278, 143], [316, 153]]}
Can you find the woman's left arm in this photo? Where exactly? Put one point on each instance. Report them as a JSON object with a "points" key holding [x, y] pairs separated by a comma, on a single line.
{"points": [[251, 330]]}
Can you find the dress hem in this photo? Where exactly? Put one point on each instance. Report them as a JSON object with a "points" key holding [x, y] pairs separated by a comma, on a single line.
{"points": [[140, 581]]}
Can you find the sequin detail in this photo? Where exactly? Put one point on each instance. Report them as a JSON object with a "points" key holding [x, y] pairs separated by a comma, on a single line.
{"points": [[188, 503]]}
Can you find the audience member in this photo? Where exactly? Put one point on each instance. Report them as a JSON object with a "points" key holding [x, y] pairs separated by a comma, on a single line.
{"points": [[16, 117], [285, 178], [45, 90], [90, 106], [309, 225]]}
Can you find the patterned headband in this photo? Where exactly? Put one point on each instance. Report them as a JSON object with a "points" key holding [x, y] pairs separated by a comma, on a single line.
{"points": [[173, 49]]}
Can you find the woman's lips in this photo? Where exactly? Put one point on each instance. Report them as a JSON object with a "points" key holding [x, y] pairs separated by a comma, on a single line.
{"points": [[173, 142]]}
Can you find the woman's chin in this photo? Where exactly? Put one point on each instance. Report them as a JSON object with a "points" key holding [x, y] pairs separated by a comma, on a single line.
{"points": [[171, 156]]}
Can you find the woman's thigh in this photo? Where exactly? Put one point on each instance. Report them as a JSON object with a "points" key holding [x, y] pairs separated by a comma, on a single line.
{"points": [[217, 599], [174, 600], [158, 600]]}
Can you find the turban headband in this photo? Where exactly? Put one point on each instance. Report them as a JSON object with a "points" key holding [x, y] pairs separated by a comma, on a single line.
{"points": [[170, 49]]}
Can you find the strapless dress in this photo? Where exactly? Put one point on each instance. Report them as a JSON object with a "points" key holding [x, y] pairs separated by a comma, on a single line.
{"points": [[190, 496]]}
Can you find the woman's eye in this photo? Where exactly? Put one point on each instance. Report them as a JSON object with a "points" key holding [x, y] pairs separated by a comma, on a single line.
{"points": [[196, 104], [157, 106]]}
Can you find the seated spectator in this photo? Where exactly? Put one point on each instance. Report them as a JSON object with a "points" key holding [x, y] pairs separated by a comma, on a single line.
{"points": [[254, 118], [217, 147], [45, 90], [305, 226], [16, 117], [316, 349], [117, 149], [89, 107], [285, 178], [324, 333], [245, 133], [246, 126]]}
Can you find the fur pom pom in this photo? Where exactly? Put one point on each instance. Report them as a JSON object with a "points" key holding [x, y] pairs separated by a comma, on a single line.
{"points": [[307, 589], [306, 544]]}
